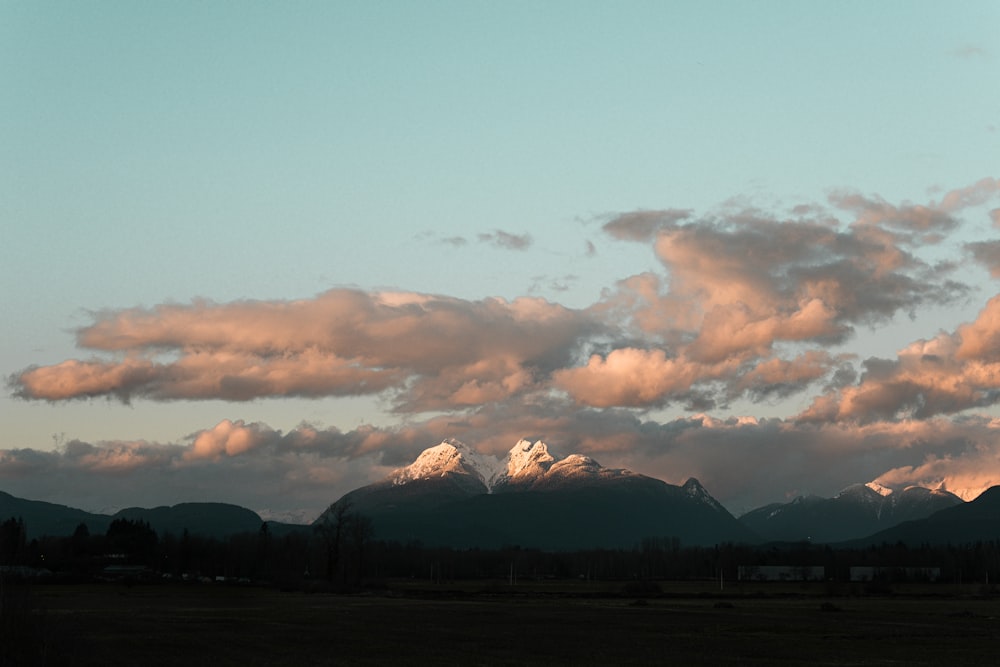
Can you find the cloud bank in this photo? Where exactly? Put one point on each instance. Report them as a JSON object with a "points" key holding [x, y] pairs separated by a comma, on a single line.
{"points": [[746, 305]]}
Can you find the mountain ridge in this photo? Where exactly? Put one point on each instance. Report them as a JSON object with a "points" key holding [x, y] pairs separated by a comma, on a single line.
{"points": [[452, 490], [452, 496], [210, 519], [856, 511]]}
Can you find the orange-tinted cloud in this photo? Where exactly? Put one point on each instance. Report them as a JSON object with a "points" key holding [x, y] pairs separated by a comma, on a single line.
{"points": [[746, 291], [431, 351], [745, 304], [947, 374], [633, 378], [744, 462]]}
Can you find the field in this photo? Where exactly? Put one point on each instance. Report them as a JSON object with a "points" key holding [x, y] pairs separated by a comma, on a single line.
{"points": [[536, 623]]}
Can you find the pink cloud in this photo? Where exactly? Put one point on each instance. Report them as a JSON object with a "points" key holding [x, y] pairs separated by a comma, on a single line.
{"points": [[634, 378], [740, 295], [226, 438], [429, 351], [948, 374], [744, 462]]}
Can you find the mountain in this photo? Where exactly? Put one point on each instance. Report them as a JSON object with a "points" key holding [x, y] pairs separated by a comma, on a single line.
{"points": [[42, 518], [454, 496], [966, 523], [858, 510], [207, 519]]}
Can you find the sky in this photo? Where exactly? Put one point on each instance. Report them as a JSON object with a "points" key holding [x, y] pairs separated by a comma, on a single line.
{"points": [[265, 253]]}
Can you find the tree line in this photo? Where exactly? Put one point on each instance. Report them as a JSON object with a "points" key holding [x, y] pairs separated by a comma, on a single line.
{"points": [[343, 552]]}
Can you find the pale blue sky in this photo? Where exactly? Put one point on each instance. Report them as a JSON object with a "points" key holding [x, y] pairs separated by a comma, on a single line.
{"points": [[157, 152]]}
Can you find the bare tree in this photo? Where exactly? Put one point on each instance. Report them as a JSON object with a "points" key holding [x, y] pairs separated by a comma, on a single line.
{"points": [[332, 530], [362, 530]]}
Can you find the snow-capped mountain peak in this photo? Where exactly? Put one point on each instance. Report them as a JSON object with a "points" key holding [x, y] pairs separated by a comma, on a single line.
{"points": [[450, 457], [527, 465], [862, 493], [694, 489], [528, 459], [879, 489]]}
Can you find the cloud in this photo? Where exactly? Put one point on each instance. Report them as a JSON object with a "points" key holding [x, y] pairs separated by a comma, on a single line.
{"points": [[634, 378], [971, 51], [749, 301], [914, 218], [234, 461], [310, 467], [976, 194], [781, 377], [986, 253], [763, 269], [227, 439], [552, 283], [643, 226], [948, 374], [506, 240], [423, 351], [744, 304]]}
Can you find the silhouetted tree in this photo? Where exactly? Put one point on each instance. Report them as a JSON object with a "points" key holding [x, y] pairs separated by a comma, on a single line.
{"points": [[136, 540], [362, 530], [13, 542], [331, 531]]}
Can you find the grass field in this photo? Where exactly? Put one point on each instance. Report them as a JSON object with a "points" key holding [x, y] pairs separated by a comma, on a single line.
{"points": [[540, 623]]}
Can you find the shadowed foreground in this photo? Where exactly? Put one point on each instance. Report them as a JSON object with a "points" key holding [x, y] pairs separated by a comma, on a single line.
{"points": [[229, 625]]}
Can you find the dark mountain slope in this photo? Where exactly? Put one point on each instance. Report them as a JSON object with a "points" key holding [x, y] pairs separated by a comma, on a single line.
{"points": [[42, 518], [974, 521], [535, 500], [206, 519], [855, 512]]}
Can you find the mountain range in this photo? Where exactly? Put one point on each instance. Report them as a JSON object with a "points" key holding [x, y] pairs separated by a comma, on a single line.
{"points": [[861, 509], [965, 523], [453, 496], [206, 519]]}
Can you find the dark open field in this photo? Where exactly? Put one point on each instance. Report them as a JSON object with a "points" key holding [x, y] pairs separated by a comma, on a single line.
{"points": [[576, 623]]}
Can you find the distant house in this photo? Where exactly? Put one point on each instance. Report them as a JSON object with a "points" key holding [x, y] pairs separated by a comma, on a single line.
{"points": [[781, 573], [865, 573], [22, 572], [122, 572]]}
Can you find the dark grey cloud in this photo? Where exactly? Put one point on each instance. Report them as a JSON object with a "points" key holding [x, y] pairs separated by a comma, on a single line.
{"points": [[743, 462], [643, 226], [986, 253], [506, 240]]}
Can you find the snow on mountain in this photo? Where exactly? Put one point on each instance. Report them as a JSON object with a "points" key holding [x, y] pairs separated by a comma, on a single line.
{"points": [[576, 465], [526, 461], [879, 489], [694, 489], [527, 464], [450, 457], [296, 516], [862, 493], [452, 495], [858, 510]]}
